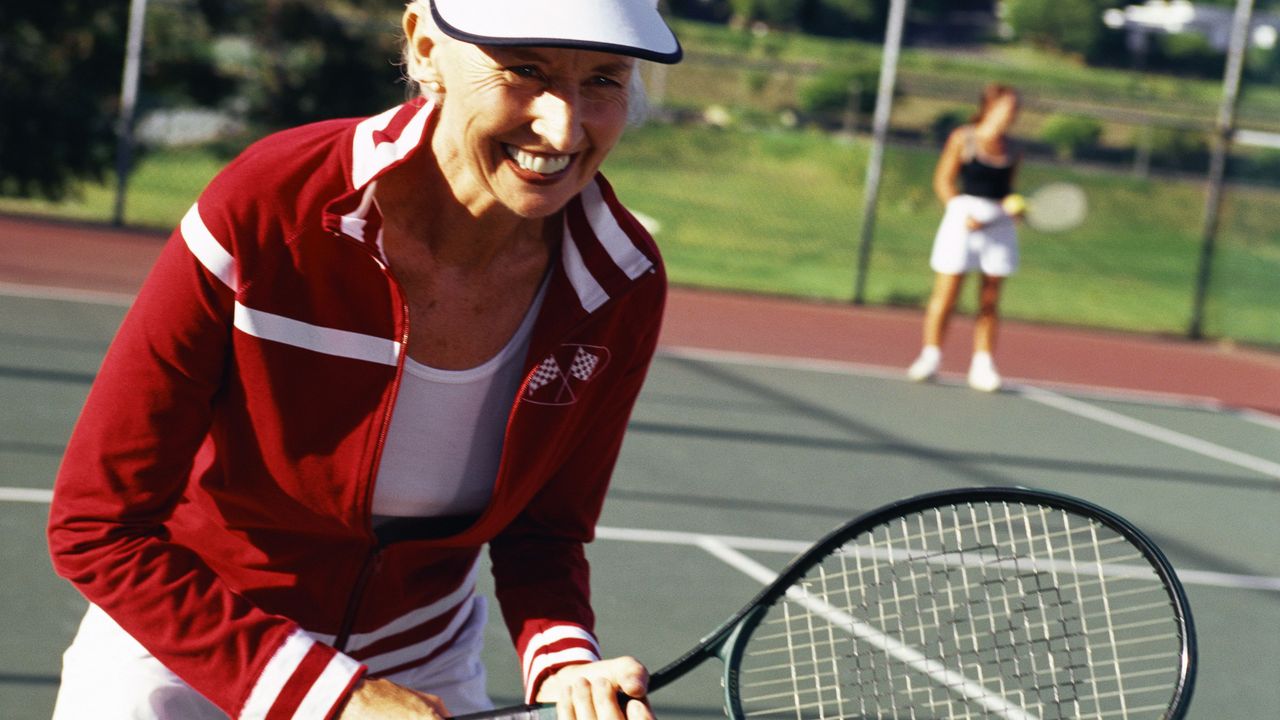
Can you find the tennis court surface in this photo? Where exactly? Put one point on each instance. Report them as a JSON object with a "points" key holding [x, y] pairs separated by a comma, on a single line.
{"points": [[761, 433]]}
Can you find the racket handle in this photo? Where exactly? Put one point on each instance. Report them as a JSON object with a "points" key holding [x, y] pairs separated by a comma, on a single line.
{"points": [[536, 711]]}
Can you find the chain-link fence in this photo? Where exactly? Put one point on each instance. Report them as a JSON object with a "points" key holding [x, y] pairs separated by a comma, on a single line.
{"points": [[752, 171]]}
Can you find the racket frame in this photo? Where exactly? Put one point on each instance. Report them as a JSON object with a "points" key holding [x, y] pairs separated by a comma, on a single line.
{"points": [[728, 641], [1036, 212]]}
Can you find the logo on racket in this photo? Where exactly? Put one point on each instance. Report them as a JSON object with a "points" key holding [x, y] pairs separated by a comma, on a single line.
{"points": [[559, 378]]}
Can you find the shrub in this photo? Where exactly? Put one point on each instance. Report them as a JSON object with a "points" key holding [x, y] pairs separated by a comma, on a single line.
{"points": [[1073, 27], [946, 121], [828, 93], [1178, 148], [1070, 134]]}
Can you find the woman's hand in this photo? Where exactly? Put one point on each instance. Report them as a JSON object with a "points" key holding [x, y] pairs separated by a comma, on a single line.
{"points": [[590, 691], [379, 699], [973, 223]]}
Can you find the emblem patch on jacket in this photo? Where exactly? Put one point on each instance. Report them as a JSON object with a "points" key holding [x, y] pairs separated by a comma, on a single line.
{"points": [[559, 378]]}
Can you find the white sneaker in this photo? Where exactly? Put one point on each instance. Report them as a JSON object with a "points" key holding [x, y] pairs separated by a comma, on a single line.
{"points": [[982, 373], [925, 366]]}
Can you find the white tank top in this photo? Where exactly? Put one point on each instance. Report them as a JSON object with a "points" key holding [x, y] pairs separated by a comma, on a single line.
{"points": [[445, 440]]}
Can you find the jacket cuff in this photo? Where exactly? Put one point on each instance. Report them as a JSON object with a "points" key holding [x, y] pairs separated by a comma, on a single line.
{"points": [[304, 679], [554, 648]]}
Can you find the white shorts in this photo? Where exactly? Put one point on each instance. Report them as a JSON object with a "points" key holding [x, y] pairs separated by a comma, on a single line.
{"points": [[107, 675], [992, 249]]}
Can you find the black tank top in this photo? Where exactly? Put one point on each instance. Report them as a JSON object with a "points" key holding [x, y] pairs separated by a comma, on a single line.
{"points": [[982, 179]]}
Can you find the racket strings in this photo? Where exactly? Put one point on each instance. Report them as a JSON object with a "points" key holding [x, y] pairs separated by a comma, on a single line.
{"points": [[979, 611]]}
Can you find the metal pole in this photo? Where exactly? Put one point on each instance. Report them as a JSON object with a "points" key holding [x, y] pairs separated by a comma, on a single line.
{"points": [[1223, 131], [879, 131], [128, 103]]}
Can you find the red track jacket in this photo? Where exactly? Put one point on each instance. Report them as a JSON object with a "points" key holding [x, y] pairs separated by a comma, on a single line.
{"points": [[215, 495]]}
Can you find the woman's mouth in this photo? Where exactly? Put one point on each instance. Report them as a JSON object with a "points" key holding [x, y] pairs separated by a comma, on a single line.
{"points": [[539, 164]]}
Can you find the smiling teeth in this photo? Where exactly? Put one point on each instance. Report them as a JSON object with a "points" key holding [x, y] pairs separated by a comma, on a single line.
{"points": [[541, 164]]}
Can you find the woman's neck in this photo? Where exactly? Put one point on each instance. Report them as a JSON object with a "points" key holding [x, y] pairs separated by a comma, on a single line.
{"points": [[990, 132], [417, 202]]}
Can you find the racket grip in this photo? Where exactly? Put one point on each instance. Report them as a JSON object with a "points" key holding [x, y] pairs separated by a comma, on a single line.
{"points": [[536, 711]]}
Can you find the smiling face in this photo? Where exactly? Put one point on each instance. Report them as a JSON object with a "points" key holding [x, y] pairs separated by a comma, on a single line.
{"points": [[520, 128]]}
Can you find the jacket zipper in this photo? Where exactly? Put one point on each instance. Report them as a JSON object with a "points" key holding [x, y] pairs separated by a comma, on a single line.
{"points": [[373, 558], [370, 566]]}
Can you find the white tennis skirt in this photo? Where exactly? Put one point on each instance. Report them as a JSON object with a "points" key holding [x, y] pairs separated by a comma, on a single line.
{"points": [[991, 249], [107, 675]]}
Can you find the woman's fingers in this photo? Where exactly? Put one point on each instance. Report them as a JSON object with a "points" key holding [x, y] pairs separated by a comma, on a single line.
{"points": [[377, 698], [599, 690], [639, 710]]}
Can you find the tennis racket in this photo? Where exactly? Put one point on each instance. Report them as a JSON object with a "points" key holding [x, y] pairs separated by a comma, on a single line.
{"points": [[978, 603], [1055, 207]]}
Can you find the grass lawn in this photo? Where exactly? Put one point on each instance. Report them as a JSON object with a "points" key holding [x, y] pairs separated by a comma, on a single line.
{"points": [[780, 212], [163, 186], [731, 57]]}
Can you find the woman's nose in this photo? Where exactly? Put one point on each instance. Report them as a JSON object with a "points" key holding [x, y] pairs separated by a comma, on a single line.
{"points": [[558, 120]]}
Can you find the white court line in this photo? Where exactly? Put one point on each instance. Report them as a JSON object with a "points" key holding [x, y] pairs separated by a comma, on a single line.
{"points": [[795, 547], [28, 495], [842, 367], [738, 542], [1044, 397], [1152, 431], [1266, 420], [940, 673], [45, 292]]}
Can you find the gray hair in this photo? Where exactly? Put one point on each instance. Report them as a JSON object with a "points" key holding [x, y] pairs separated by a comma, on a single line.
{"points": [[637, 97]]}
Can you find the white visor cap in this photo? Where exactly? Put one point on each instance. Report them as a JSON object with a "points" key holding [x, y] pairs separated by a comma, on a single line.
{"points": [[622, 27]]}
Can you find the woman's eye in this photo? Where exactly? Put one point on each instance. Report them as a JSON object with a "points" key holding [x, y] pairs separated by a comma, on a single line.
{"points": [[525, 71], [605, 81]]}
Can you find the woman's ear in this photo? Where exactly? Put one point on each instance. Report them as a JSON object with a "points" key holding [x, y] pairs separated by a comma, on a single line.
{"points": [[420, 46]]}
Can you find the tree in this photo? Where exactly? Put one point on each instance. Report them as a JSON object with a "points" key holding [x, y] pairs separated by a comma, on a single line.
{"points": [[270, 63], [305, 60], [1074, 27], [844, 18], [777, 13], [60, 66]]}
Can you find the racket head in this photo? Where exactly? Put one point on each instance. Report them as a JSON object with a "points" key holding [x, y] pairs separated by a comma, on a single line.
{"points": [[1057, 207], [1053, 629]]}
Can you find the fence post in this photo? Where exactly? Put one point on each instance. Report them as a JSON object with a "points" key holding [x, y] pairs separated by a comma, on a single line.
{"points": [[128, 104], [1223, 131], [879, 132]]}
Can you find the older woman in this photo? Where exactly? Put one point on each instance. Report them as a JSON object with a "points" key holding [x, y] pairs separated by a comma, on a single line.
{"points": [[371, 348]]}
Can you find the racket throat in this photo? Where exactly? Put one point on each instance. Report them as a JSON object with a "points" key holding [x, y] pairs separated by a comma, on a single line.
{"points": [[731, 651]]}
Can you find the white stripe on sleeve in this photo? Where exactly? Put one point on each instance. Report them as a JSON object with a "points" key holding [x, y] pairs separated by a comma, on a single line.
{"points": [[274, 676], [555, 635], [206, 248], [572, 655], [318, 703], [342, 343]]}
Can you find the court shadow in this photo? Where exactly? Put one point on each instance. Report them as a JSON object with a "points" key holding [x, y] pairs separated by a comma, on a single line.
{"points": [[869, 434], [23, 679], [969, 466], [951, 458], [58, 376], [30, 448]]}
